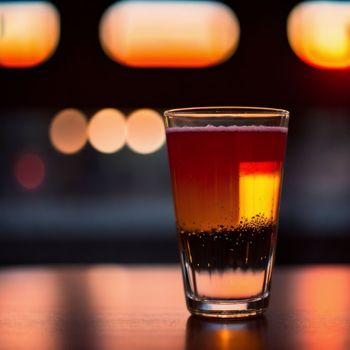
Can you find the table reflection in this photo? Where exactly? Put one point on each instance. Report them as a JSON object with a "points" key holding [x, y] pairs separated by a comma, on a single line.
{"points": [[76, 322], [28, 299], [321, 298], [217, 334], [141, 308]]}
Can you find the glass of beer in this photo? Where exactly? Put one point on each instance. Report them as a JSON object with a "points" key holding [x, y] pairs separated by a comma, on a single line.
{"points": [[226, 166]]}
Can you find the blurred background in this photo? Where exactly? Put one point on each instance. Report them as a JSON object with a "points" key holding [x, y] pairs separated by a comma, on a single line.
{"points": [[84, 174]]}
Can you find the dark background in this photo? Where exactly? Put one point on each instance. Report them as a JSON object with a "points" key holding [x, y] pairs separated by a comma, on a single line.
{"points": [[117, 208]]}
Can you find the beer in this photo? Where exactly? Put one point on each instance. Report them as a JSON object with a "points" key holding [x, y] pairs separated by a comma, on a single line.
{"points": [[226, 187]]}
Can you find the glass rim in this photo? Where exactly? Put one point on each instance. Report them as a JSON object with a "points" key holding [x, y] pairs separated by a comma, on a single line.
{"points": [[226, 111]]}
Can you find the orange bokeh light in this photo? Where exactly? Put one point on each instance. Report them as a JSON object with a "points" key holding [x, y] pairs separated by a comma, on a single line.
{"points": [[68, 131], [107, 130], [169, 33], [318, 33], [145, 131], [29, 33], [30, 171]]}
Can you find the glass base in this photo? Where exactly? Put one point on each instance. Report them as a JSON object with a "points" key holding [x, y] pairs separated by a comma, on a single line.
{"points": [[241, 308]]}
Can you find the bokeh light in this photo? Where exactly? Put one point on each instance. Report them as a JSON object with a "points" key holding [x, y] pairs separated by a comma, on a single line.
{"points": [[30, 170], [29, 33], [169, 33], [318, 33], [145, 131], [68, 131], [107, 130]]}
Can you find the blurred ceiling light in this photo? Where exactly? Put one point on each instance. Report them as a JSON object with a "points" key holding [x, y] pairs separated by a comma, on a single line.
{"points": [[145, 131], [30, 171], [29, 33], [107, 130], [169, 33], [318, 33], [68, 131]]}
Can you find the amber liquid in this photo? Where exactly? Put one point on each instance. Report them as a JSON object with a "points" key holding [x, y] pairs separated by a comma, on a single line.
{"points": [[226, 188]]}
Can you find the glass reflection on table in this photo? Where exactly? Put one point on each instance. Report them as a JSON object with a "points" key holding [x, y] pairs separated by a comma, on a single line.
{"points": [[249, 334]]}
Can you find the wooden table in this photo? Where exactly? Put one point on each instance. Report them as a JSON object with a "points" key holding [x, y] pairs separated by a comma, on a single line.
{"points": [[111, 307]]}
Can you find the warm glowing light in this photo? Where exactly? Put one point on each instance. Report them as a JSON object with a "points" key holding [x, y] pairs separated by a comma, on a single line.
{"points": [[30, 171], [68, 131], [145, 131], [169, 33], [29, 33], [318, 33], [107, 130], [259, 186]]}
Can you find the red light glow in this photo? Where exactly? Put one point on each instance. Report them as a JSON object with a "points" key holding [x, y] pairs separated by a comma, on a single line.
{"points": [[30, 171]]}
